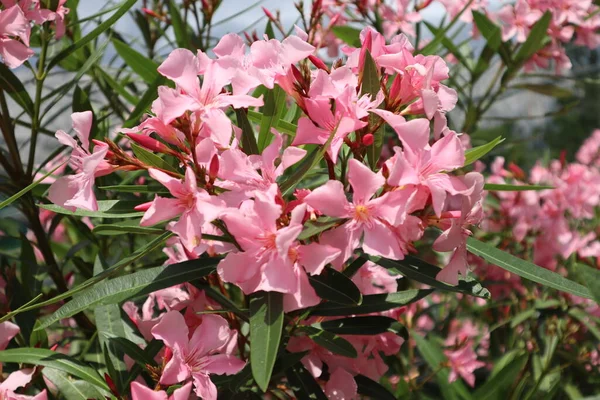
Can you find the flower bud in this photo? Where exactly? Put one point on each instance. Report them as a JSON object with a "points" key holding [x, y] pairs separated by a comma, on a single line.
{"points": [[368, 139], [143, 206], [149, 143]]}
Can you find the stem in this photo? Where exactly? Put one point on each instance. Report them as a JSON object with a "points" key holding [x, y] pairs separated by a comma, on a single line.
{"points": [[35, 120]]}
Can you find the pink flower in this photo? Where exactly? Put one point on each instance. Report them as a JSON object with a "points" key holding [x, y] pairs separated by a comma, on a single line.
{"points": [[141, 392], [198, 356], [16, 380], [77, 191], [341, 386], [193, 206], [8, 330], [373, 218], [13, 26], [462, 363], [517, 20]]}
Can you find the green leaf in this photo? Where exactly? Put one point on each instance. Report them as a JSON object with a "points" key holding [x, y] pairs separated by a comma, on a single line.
{"points": [[109, 22], [249, 144], [272, 112], [474, 154], [135, 189], [525, 269], [591, 277], [269, 30], [330, 341], [124, 227], [132, 350], [372, 303], [545, 89], [282, 126], [266, 325], [497, 387], [15, 89], [431, 47], [71, 389], [52, 359], [110, 325], [141, 65], [488, 29], [151, 159], [303, 384], [144, 103], [514, 188], [368, 387], [334, 286], [138, 284], [106, 209], [27, 189], [423, 272], [371, 86], [38, 337], [347, 34], [179, 25], [434, 356], [367, 325], [313, 228]]}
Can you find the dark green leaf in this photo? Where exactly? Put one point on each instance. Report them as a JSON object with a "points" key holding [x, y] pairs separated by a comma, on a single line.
{"points": [[125, 227], [272, 112], [525, 269], [303, 384], [368, 387], [334, 286], [591, 277], [266, 325], [24, 191], [71, 389], [367, 325], [313, 228], [106, 209], [151, 159], [372, 86], [15, 89], [109, 22], [330, 341], [132, 350], [347, 34], [514, 188], [179, 25], [500, 384], [52, 359], [141, 65], [489, 30], [110, 325], [282, 126], [249, 144], [135, 189], [138, 284], [373, 303]]}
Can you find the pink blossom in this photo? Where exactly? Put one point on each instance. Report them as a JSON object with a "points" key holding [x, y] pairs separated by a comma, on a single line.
{"points": [[13, 26], [141, 392], [77, 191], [198, 356], [463, 362], [16, 380], [8, 330], [517, 20]]}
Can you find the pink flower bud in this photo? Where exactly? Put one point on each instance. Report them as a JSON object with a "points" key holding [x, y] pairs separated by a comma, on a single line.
{"points": [[368, 139], [213, 169], [317, 62], [149, 143], [143, 206]]}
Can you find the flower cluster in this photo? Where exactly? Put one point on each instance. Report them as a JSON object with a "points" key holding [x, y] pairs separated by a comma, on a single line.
{"points": [[16, 19], [228, 198]]}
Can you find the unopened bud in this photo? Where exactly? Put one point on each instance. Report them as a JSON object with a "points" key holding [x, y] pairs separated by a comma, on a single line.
{"points": [[268, 14], [213, 169], [368, 139], [143, 206], [149, 143], [150, 13], [317, 62]]}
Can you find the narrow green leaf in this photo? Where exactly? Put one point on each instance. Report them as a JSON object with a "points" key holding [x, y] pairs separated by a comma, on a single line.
{"points": [[144, 103], [474, 154], [347, 34], [138, 284], [489, 30], [71, 389], [141, 65], [371, 86], [525, 269], [249, 144], [514, 188], [313, 228], [500, 384], [110, 325], [367, 325], [423, 272], [330, 341], [151, 159], [368, 387], [334, 286], [126, 5], [106, 209], [24, 191], [591, 277], [535, 40], [303, 384], [266, 325], [132, 350], [431, 47], [125, 227], [52, 359], [545, 89], [15, 89], [135, 189], [269, 30], [272, 112], [372, 303], [179, 25], [282, 126]]}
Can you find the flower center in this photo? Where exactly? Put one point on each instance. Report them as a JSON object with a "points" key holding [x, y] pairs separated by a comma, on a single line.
{"points": [[361, 213]]}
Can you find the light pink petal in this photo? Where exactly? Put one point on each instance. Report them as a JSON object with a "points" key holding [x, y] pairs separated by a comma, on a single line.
{"points": [[285, 237], [176, 370], [82, 124], [242, 229], [63, 190], [162, 209], [304, 297], [189, 229], [172, 330], [141, 392], [458, 264], [379, 240], [402, 172], [440, 185], [8, 330], [430, 102], [181, 66], [291, 155], [364, 181], [239, 100], [230, 45], [205, 388], [278, 276], [229, 268], [212, 334], [183, 393], [224, 364], [14, 53], [84, 198], [172, 104], [450, 239], [174, 185], [235, 166], [64, 138], [448, 153], [329, 199], [344, 238], [341, 386], [314, 257], [13, 22], [309, 133], [17, 379], [219, 125], [295, 49]]}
